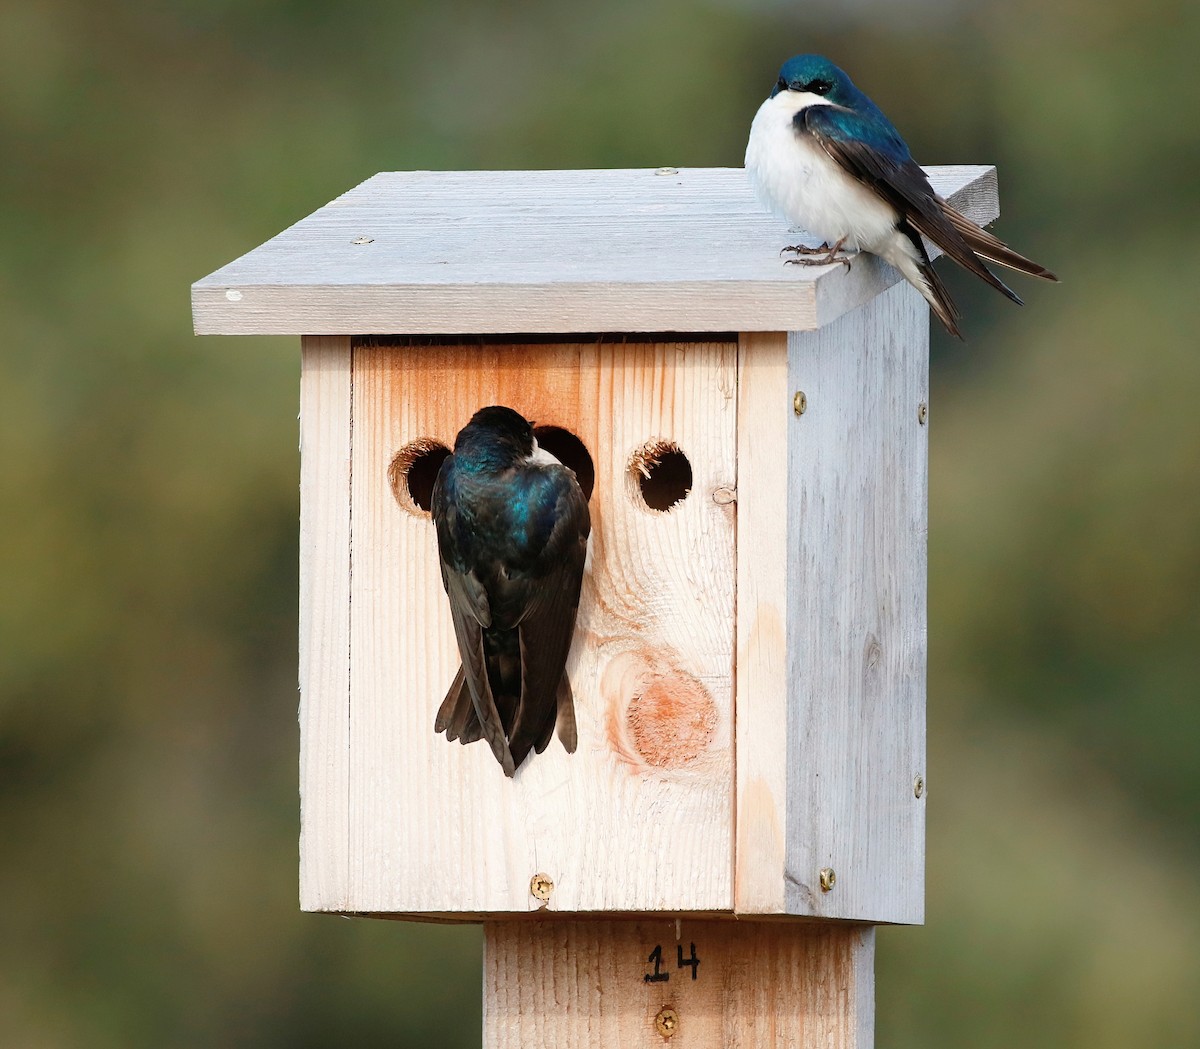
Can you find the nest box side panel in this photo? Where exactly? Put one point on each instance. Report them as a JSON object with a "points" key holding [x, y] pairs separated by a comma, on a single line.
{"points": [[640, 817], [324, 621], [856, 614]]}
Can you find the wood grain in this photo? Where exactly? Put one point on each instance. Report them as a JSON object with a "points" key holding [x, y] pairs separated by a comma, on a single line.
{"points": [[640, 817], [546, 251], [758, 985], [764, 408], [856, 608], [324, 622], [830, 633]]}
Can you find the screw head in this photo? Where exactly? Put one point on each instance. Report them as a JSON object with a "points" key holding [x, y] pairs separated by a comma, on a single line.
{"points": [[667, 171], [800, 402], [828, 878], [541, 886], [918, 786], [667, 1021], [922, 412], [361, 241]]}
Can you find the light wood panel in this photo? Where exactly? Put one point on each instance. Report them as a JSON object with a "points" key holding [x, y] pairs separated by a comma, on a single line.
{"points": [[761, 674], [640, 818], [577, 985], [546, 251], [830, 634], [856, 537], [324, 622]]}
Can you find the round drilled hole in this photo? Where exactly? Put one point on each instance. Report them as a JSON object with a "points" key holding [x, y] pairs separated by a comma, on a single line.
{"points": [[412, 472], [660, 474], [570, 451]]}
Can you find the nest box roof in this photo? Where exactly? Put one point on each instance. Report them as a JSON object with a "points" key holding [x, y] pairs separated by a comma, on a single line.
{"points": [[495, 252]]}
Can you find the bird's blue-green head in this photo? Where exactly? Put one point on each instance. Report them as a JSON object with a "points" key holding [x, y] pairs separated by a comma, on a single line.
{"points": [[816, 75], [494, 439]]}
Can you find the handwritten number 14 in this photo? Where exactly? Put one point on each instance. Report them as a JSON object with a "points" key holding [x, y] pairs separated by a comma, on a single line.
{"points": [[659, 975]]}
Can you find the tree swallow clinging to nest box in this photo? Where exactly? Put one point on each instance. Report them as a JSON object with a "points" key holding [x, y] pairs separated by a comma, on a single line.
{"points": [[823, 155], [512, 529]]}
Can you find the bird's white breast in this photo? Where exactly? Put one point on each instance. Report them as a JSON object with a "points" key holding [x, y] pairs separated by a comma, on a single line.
{"points": [[540, 457], [797, 179]]}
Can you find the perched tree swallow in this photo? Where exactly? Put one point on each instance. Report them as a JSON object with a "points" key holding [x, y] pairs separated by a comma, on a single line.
{"points": [[823, 155], [512, 530]]}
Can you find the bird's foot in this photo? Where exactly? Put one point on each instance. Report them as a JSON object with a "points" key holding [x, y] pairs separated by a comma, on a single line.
{"points": [[828, 258], [824, 255], [805, 249]]}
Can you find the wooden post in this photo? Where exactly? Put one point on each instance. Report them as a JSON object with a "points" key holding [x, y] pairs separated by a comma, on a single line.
{"points": [[747, 798], [699, 984]]}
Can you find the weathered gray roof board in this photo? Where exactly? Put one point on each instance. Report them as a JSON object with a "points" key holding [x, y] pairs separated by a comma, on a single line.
{"points": [[494, 252]]}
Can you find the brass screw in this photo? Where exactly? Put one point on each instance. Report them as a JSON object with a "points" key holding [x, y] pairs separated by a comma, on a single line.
{"points": [[667, 1021], [800, 403], [828, 878], [541, 886], [922, 412], [918, 786]]}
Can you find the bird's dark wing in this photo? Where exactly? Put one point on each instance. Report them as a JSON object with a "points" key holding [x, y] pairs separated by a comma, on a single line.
{"points": [[470, 612], [993, 248], [875, 155], [547, 627]]}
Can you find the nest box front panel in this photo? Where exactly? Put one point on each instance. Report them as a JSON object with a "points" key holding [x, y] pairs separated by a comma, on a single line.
{"points": [[640, 816]]}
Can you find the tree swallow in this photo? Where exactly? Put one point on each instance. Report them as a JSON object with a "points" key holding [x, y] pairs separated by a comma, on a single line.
{"points": [[512, 529], [823, 155]]}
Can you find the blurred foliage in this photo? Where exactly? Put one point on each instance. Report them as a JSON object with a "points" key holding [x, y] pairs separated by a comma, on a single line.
{"points": [[148, 522]]}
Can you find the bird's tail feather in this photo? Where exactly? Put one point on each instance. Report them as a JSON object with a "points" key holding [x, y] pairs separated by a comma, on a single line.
{"points": [[993, 248], [519, 747], [560, 713], [939, 298], [565, 701], [948, 238], [457, 710], [458, 718], [907, 253]]}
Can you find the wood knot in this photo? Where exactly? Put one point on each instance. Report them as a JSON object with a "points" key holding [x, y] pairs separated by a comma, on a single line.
{"points": [[659, 714]]}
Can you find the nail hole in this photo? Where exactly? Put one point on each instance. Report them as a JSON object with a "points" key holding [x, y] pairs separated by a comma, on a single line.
{"points": [[661, 474], [412, 472], [570, 451]]}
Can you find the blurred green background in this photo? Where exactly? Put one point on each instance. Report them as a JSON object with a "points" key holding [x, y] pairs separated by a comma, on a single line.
{"points": [[148, 741]]}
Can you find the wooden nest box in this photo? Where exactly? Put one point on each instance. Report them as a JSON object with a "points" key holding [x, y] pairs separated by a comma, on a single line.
{"points": [[749, 657]]}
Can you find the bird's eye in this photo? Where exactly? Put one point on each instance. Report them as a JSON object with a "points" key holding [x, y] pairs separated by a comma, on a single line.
{"points": [[782, 85], [820, 87]]}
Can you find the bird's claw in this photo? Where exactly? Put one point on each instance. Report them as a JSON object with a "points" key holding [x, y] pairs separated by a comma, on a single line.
{"points": [[805, 249], [827, 255], [826, 259]]}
